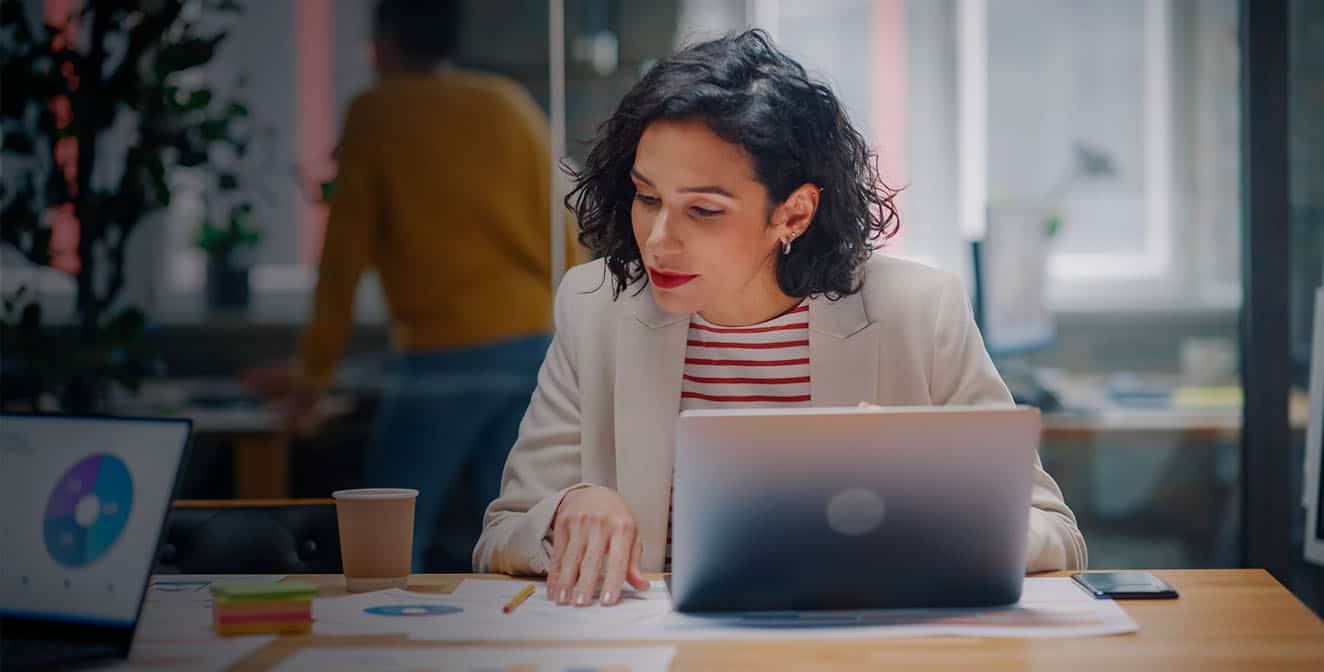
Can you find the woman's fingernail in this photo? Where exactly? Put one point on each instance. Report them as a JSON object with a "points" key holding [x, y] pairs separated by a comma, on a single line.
{"points": [[565, 595], [581, 599], [607, 598]]}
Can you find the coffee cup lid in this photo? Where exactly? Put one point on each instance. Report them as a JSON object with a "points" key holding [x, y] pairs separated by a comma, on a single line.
{"points": [[375, 493]]}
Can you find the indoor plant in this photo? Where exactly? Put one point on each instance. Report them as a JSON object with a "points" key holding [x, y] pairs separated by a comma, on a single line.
{"points": [[97, 112]]}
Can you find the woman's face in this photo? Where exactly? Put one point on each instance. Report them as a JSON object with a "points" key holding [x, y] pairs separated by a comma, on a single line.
{"points": [[707, 233]]}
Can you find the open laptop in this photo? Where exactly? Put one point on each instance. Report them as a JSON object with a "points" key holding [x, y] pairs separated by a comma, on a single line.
{"points": [[1313, 490], [83, 501], [851, 508]]}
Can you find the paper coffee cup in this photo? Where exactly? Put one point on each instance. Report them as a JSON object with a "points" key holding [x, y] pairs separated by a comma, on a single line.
{"points": [[376, 536]]}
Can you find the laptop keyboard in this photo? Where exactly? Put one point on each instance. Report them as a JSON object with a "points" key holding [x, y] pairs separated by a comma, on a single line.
{"points": [[41, 654]]}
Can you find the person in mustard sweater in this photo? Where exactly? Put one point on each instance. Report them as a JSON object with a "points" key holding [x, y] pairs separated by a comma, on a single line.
{"points": [[443, 187]]}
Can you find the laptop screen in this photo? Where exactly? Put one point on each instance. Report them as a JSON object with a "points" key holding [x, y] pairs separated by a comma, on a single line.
{"points": [[82, 502]]}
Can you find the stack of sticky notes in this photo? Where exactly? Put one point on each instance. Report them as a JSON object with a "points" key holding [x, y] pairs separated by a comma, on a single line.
{"points": [[284, 607]]}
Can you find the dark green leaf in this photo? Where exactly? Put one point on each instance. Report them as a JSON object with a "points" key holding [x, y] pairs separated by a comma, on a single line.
{"points": [[214, 129], [155, 167], [192, 158], [197, 100], [185, 54]]}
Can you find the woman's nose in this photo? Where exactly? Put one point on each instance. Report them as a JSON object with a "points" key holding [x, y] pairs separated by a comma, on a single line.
{"points": [[661, 238]]}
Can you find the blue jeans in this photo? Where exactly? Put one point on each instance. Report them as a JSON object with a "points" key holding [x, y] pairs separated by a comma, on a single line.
{"points": [[446, 424]]}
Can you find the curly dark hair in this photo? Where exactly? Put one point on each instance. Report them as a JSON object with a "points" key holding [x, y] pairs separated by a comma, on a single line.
{"points": [[793, 129], [424, 30]]}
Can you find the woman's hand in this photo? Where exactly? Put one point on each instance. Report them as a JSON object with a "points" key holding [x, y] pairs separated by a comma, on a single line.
{"points": [[593, 539], [280, 383]]}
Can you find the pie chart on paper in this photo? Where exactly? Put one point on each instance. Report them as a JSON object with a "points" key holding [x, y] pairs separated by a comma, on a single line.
{"points": [[87, 510], [412, 610]]}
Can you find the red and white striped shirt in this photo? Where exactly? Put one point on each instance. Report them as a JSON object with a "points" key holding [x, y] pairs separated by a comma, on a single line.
{"points": [[762, 365], [759, 366]]}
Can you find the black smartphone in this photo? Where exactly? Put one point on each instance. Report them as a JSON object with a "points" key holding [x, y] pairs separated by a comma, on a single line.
{"points": [[1125, 585]]}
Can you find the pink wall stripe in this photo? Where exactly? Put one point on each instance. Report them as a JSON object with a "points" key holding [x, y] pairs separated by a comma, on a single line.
{"points": [[314, 109], [889, 101]]}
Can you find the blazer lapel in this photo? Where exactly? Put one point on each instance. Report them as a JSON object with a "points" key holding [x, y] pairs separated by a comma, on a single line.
{"points": [[844, 351], [650, 358]]}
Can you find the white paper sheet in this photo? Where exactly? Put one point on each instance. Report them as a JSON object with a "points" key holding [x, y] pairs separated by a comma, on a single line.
{"points": [[476, 614], [390, 611], [1050, 607], [482, 658]]}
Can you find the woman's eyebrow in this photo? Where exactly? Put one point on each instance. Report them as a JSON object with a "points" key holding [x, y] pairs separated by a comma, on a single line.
{"points": [[640, 176], [705, 189]]}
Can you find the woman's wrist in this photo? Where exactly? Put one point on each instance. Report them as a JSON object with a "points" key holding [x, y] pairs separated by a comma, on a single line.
{"points": [[551, 526]]}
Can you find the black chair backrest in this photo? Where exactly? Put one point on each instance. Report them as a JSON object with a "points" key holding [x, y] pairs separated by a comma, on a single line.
{"points": [[251, 537]]}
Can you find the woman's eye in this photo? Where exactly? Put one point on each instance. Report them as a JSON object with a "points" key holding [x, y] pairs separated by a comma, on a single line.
{"points": [[646, 200], [704, 212]]}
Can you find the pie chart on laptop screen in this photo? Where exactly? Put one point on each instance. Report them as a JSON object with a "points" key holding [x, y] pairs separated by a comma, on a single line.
{"points": [[87, 510]]}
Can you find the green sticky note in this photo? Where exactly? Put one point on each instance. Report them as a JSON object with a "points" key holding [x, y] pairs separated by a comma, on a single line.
{"points": [[263, 592]]}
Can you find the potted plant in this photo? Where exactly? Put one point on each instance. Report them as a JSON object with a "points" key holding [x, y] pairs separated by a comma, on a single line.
{"points": [[97, 112], [229, 247]]}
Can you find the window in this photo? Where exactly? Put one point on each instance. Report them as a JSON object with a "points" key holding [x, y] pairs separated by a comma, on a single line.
{"points": [[1123, 115], [1120, 115]]}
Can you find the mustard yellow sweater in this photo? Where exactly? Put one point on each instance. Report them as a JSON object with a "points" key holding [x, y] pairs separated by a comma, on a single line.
{"points": [[443, 187]]}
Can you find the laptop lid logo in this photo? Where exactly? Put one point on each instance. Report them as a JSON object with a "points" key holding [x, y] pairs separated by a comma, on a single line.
{"points": [[855, 512]]}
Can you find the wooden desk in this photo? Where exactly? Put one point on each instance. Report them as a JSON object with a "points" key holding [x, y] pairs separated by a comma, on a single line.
{"points": [[1224, 620], [1097, 414]]}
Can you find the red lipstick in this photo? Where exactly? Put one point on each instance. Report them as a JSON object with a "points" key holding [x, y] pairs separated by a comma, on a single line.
{"points": [[667, 280]]}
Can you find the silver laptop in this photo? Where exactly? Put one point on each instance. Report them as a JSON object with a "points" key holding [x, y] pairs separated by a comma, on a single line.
{"points": [[851, 508], [82, 504]]}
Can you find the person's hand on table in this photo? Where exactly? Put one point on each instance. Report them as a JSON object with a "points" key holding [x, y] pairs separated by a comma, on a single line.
{"points": [[594, 540], [282, 383]]}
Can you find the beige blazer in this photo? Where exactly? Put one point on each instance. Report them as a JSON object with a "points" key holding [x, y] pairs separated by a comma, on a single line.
{"points": [[608, 395]]}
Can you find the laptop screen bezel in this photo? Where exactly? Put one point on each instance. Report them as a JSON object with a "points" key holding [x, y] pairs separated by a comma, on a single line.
{"points": [[71, 628]]}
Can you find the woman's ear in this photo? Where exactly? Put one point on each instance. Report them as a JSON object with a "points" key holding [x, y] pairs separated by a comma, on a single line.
{"points": [[796, 213]]}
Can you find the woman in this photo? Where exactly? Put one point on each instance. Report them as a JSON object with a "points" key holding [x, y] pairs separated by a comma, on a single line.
{"points": [[735, 211]]}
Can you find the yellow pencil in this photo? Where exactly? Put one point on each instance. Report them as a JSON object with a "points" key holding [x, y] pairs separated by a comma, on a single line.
{"points": [[518, 599]]}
